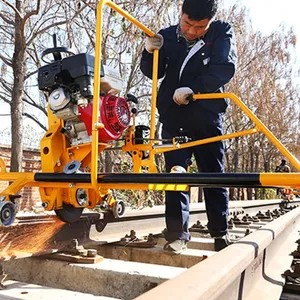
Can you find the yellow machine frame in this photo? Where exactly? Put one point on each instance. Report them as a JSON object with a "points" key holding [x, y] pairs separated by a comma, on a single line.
{"points": [[55, 153]]}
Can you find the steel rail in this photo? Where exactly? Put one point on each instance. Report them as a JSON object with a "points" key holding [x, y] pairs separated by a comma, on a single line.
{"points": [[26, 237], [251, 268]]}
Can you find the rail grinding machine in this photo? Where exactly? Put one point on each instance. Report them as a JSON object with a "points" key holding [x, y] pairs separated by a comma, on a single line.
{"points": [[82, 122]]}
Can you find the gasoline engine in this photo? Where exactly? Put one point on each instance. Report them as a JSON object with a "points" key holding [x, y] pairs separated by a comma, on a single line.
{"points": [[67, 83]]}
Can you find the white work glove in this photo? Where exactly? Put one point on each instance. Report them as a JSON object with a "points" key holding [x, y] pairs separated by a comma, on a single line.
{"points": [[154, 43], [181, 94]]}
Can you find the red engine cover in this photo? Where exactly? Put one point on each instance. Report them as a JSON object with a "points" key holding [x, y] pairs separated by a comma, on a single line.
{"points": [[114, 114]]}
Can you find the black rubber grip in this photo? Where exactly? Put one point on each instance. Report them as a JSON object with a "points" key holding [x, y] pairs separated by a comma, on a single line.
{"points": [[193, 179], [190, 97]]}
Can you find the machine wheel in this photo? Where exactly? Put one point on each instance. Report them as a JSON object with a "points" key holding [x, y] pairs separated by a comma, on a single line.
{"points": [[69, 213], [118, 208], [7, 213]]}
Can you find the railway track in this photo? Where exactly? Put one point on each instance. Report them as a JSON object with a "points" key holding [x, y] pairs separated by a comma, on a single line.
{"points": [[251, 268]]}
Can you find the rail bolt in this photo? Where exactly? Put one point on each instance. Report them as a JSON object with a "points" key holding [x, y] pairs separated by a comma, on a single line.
{"points": [[45, 204], [81, 197]]}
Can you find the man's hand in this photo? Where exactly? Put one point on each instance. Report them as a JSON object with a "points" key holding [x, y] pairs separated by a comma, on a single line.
{"points": [[154, 43], [181, 94]]}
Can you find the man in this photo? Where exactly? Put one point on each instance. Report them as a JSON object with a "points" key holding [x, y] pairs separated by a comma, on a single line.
{"points": [[282, 168], [196, 56]]}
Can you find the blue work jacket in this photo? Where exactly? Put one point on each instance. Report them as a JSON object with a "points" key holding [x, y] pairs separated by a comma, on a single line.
{"points": [[207, 71]]}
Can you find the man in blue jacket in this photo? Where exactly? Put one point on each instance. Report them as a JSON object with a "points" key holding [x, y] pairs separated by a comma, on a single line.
{"points": [[196, 56]]}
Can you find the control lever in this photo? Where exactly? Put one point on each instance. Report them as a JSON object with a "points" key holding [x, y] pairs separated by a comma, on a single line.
{"points": [[182, 139], [132, 98], [190, 97]]}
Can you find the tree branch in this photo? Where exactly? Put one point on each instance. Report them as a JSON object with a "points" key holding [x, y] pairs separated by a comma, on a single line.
{"points": [[6, 85], [36, 27], [10, 36], [55, 25], [5, 100], [31, 103], [13, 8], [32, 13], [6, 20], [30, 74], [34, 104], [35, 120], [44, 30], [5, 60]]}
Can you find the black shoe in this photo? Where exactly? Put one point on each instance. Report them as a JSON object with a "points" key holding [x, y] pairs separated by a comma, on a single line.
{"points": [[175, 247], [222, 242]]}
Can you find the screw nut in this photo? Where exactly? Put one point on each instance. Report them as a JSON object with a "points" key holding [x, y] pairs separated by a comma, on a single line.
{"points": [[91, 253]]}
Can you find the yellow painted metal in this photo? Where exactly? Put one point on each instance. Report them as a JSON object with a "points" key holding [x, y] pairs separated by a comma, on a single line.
{"points": [[12, 176], [291, 180], [97, 70], [144, 186], [53, 145], [137, 161], [152, 165], [93, 198], [169, 187], [51, 197], [52, 191], [205, 141], [154, 94], [126, 15], [105, 187], [56, 153], [61, 185], [137, 150], [96, 105], [260, 126], [21, 180], [151, 161], [2, 166], [82, 153]]}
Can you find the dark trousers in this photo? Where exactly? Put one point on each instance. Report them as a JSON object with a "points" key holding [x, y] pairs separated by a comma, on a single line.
{"points": [[209, 158]]}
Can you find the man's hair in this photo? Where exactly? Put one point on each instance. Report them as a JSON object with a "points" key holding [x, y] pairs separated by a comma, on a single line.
{"points": [[283, 161], [200, 9]]}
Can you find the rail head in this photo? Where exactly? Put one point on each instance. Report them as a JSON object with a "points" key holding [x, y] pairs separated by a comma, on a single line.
{"points": [[229, 274]]}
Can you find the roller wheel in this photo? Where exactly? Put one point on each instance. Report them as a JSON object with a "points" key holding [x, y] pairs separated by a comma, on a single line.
{"points": [[118, 208], [7, 213], [69, 213]]}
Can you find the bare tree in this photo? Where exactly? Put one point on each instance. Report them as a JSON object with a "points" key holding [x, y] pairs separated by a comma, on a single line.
{"points": [[24, 22], [264, 81]]}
